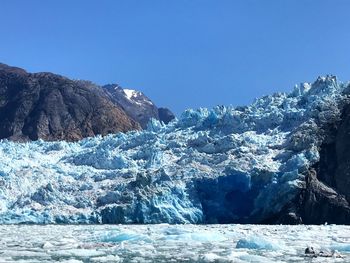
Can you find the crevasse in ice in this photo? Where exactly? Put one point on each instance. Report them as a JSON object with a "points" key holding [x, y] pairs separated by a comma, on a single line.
{"points": [[228, 164]]}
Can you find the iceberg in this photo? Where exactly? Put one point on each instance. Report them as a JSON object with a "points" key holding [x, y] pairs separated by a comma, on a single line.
{"points": [[224, 165], [259, 242]]}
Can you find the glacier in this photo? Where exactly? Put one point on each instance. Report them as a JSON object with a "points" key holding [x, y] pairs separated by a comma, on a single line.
{"points": [[224, 165]]}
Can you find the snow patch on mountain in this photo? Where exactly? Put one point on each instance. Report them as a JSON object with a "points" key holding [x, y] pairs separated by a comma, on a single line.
{"points": [[130, 93], [136, 97], [137, 105]]}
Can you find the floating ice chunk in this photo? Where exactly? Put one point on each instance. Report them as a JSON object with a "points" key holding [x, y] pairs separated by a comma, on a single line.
{"points": [[341, 247], [210, 257], [259, 242], [22, 253], [118, 237], [186, 235], [71, 261], [47, 245], [237, 256], [76, 252], [109, 258], [256, 259], [66, 241]]}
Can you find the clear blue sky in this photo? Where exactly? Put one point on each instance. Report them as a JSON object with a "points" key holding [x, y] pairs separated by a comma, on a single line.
{"points": [[181, 53]]}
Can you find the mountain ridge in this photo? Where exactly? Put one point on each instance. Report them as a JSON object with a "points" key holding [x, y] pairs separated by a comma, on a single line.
{"points": [[49, 106], [137, 105]]}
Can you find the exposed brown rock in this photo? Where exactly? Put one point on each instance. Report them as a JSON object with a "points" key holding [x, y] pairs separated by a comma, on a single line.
{"points": [[51, 107]]}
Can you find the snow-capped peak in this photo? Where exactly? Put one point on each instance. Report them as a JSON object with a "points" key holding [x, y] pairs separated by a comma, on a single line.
{"points": [[136, 97], [130, 93]]}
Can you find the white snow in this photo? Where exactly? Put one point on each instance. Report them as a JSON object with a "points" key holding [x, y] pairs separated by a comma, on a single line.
{"points": [[136, 97], [130, 93]]}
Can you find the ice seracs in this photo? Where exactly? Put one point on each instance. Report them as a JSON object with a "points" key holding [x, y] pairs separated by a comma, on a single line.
{"points": [[224, 165]]}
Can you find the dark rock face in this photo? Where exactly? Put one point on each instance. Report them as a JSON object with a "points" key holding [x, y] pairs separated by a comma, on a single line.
{"points": [[317, 203], [321, 203], [342, 155], [326, 194], [165, 115], [137, 105], [51, 107]]}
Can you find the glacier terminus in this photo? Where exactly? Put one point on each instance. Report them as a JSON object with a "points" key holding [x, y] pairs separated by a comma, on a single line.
{"points": [[223, 165]]}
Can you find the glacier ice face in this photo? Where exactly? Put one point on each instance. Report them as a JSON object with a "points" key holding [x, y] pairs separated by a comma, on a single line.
{"points": [[228, 164]]}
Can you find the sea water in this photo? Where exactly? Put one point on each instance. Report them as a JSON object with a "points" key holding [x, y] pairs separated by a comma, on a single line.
{"points": [[174, 243]]}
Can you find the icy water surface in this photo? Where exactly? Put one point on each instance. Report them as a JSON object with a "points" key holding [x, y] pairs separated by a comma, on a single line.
{"points": [[173, 243]]}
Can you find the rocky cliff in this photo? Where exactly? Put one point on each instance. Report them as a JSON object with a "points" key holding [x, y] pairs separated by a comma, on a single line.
{"points": [[325, 195], [51, 107]]}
